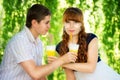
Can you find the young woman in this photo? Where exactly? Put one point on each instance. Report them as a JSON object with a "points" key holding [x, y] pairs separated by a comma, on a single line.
{"points": [[88, 65]]}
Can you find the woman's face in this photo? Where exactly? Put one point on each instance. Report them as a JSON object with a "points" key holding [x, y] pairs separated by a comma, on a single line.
{"points": [[72, 27]]}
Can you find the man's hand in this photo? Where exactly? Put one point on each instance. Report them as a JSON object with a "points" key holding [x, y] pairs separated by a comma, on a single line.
{"points": [[51, 59]]}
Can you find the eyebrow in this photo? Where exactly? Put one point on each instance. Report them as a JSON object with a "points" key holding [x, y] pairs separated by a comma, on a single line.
{"points": [[47, 21]]}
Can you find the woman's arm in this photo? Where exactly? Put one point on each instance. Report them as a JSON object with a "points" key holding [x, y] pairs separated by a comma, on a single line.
{"points": [[92, 59], [69, 74]]}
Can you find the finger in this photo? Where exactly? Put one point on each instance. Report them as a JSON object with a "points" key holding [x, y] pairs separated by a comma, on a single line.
{"points": [[73, 58], [52, 57], [50, 61]]}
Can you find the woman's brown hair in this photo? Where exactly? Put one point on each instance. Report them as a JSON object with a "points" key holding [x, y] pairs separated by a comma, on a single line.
{"points": [[74, 14]]}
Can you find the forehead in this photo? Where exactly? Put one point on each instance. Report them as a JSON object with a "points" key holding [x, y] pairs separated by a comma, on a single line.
{"points": [[47, 18], [72, 15]]}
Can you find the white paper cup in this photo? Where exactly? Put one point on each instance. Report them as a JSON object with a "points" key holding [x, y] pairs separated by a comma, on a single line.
{"points": [[50, 50], [73, 47]]}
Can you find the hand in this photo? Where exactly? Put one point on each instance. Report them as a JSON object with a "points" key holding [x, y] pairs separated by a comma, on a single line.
{"points": [[51, 59], [69, 57]]}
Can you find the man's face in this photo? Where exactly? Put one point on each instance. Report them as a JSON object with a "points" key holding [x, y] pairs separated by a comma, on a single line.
{"points": [[42, 27]]}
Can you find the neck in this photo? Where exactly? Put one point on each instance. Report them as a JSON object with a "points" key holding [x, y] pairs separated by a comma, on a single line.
{"points": [[74, 39], [35, 35]]}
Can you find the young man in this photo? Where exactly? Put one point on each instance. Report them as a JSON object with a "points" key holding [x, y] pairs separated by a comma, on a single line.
{"points": [[22, 58]]}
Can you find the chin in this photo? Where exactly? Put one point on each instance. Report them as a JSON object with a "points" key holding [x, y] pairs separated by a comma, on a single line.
{"points": [[44, 33]]}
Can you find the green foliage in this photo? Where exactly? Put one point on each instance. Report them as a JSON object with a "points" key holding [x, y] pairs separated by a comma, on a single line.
{"points": [[111, 32], [102, 17], [71, 2]]}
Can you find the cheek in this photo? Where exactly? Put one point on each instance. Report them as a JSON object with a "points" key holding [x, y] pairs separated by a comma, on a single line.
{"points": [[66, 29], [40, 29], [67, 25], [78, 29], [77, 26]]}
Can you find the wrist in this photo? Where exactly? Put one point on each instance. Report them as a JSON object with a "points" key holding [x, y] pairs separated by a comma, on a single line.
{"points": [[61, 61]]}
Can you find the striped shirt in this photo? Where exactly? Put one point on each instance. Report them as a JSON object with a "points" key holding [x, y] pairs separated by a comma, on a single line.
{"points": [[20, 48]]}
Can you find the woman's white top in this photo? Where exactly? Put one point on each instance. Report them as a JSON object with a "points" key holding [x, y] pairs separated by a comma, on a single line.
{"points": [[102, 72]]}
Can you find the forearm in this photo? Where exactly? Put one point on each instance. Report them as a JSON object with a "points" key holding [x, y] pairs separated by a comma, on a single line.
{"points": [[45, 70], [81, 67], [69, 74], [38, 72]]}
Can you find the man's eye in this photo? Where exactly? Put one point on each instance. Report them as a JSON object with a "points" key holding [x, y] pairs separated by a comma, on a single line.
{"points": [[47, 22]]}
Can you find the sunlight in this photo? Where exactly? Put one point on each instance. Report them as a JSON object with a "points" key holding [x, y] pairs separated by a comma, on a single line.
{"points": [[86, 16], [62, 4]]}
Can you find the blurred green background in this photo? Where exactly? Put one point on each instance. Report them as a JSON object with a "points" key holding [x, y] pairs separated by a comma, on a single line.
{"points": [[101, 17]]}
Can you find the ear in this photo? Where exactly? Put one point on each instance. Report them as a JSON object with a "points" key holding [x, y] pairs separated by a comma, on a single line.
{"points": [[34, 22]]}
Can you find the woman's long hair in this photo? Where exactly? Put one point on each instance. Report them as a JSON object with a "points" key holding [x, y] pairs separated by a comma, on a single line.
{"points": [[74, 14]]}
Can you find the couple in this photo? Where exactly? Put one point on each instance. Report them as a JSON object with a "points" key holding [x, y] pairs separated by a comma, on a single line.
{"points": [[22, 58]]}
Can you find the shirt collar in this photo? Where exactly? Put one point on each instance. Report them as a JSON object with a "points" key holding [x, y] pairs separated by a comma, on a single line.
{"points": [[30, 36]]}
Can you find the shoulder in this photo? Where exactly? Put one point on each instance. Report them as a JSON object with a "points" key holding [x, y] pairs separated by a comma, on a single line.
{"points": [[90, 37], [18, 38], [58, 46]]}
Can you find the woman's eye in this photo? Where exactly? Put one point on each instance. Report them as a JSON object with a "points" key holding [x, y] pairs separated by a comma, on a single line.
{"points": [[67, 21], [76, 21]]}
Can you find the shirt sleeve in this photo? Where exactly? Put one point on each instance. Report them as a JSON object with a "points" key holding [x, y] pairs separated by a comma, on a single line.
{"points": [[21, 50]]}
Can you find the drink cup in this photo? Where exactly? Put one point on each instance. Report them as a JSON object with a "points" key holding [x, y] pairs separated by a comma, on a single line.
{"points": [[73, 48], [50, 50]]}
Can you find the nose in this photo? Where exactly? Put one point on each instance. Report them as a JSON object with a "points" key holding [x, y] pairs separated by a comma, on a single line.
{"points": [[48, 25], [71, 24]]}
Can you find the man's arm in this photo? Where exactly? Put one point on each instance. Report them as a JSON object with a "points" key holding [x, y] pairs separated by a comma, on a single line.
{"points": [[37, 72]]}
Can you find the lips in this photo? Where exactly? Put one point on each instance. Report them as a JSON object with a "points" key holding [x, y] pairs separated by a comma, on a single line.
{"points": [[71, 31], [46, 30]]}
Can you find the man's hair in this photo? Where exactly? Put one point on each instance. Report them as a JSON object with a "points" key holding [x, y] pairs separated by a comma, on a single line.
{"points": [[36, 12]]}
